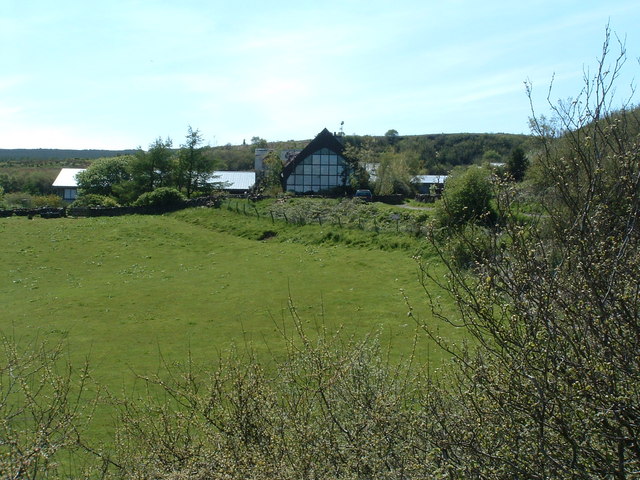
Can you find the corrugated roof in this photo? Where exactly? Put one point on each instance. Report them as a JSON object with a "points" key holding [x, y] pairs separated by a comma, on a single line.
{"points": [[429, 178], [234, 180], [67, 178]]}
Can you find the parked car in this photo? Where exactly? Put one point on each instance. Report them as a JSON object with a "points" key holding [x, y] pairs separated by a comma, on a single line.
{"points": [[365, 195]]}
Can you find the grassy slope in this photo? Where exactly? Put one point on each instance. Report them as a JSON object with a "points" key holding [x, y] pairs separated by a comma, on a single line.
{"points": [[121, 289]]}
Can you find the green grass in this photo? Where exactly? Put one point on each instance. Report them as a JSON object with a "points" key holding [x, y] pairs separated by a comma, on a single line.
{"points": [[128, 293], [120, 289]]}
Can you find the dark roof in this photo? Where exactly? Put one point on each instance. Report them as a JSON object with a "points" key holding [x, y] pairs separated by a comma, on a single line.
{"points": [[325, 139]]}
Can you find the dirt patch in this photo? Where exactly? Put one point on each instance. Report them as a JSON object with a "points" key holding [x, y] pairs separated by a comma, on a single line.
{"points": [[267, 234]]}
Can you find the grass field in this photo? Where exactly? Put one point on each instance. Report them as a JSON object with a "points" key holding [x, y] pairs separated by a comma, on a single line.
{"points": [[120, 291]]}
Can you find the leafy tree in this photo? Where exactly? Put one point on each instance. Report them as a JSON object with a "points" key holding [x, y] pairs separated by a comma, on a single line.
{"points": [[357, 159], [104, 176], [194, 167], [234, 157], [551, 388], [258, 142], [491, 156], [272, 180], [34, 181], [391, 136], [394, 173], [154, 168], [9, 183], [391, 133]]}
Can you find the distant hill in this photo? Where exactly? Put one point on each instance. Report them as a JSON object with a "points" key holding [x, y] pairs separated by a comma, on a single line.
{"points": [[48, 154], [433, 153], [439, 153]]}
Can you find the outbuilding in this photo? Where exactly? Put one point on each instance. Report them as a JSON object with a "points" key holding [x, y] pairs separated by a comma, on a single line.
{"points": [[233, 181], [66, 183], [429, 184]]}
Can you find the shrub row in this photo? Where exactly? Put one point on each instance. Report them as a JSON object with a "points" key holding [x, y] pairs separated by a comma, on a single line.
{"points": [[49, 212], [44, 212]]}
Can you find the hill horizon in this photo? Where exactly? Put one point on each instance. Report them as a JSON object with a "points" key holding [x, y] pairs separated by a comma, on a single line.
{"points": [[91, 153]]}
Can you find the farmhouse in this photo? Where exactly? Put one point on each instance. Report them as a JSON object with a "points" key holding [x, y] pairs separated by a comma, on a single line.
{"points": [[66, 183], [319, 167]]}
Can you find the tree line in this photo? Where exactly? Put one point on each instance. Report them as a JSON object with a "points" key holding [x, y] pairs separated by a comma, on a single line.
{"points": [[160, 170], [400, 158]]}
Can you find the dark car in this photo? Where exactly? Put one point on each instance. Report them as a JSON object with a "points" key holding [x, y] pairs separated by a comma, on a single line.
{"points": [[364, 195]]}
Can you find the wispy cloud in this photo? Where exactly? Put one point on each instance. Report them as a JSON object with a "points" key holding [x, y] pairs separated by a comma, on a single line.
{"points": [[130, 71]]}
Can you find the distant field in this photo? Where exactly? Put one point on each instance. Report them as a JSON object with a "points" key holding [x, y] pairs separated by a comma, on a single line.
{"points": [[120, 291]]}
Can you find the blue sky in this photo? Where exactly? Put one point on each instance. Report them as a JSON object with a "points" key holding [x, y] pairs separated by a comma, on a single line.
{"points": [[119, 73]]}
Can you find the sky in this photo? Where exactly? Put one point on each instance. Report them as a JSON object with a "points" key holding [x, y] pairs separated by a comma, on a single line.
{"points": [[118, 74]]}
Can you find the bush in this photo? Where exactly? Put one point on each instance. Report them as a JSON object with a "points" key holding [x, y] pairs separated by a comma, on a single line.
{"points": [[160, 197], [94, 200], [548, 386], [331, 409], [44, 409], [48, 201], [467, 198], [18, 200]]}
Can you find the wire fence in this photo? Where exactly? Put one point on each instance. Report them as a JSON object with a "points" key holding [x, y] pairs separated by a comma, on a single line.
{"points": [[349, 214]]}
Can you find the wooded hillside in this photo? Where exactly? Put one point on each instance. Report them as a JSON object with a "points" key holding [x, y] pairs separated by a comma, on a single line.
{"points": [[436, 153]]}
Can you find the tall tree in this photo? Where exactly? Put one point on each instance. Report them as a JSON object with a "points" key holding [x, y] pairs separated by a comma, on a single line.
{"points": [[394, 173], [194, 168], [357, 158], [258, 142], [153, 169], [273, 174], [517, 164]]}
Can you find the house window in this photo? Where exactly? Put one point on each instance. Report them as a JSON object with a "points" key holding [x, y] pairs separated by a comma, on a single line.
{"points": [[323, 170], [70, 194]]}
